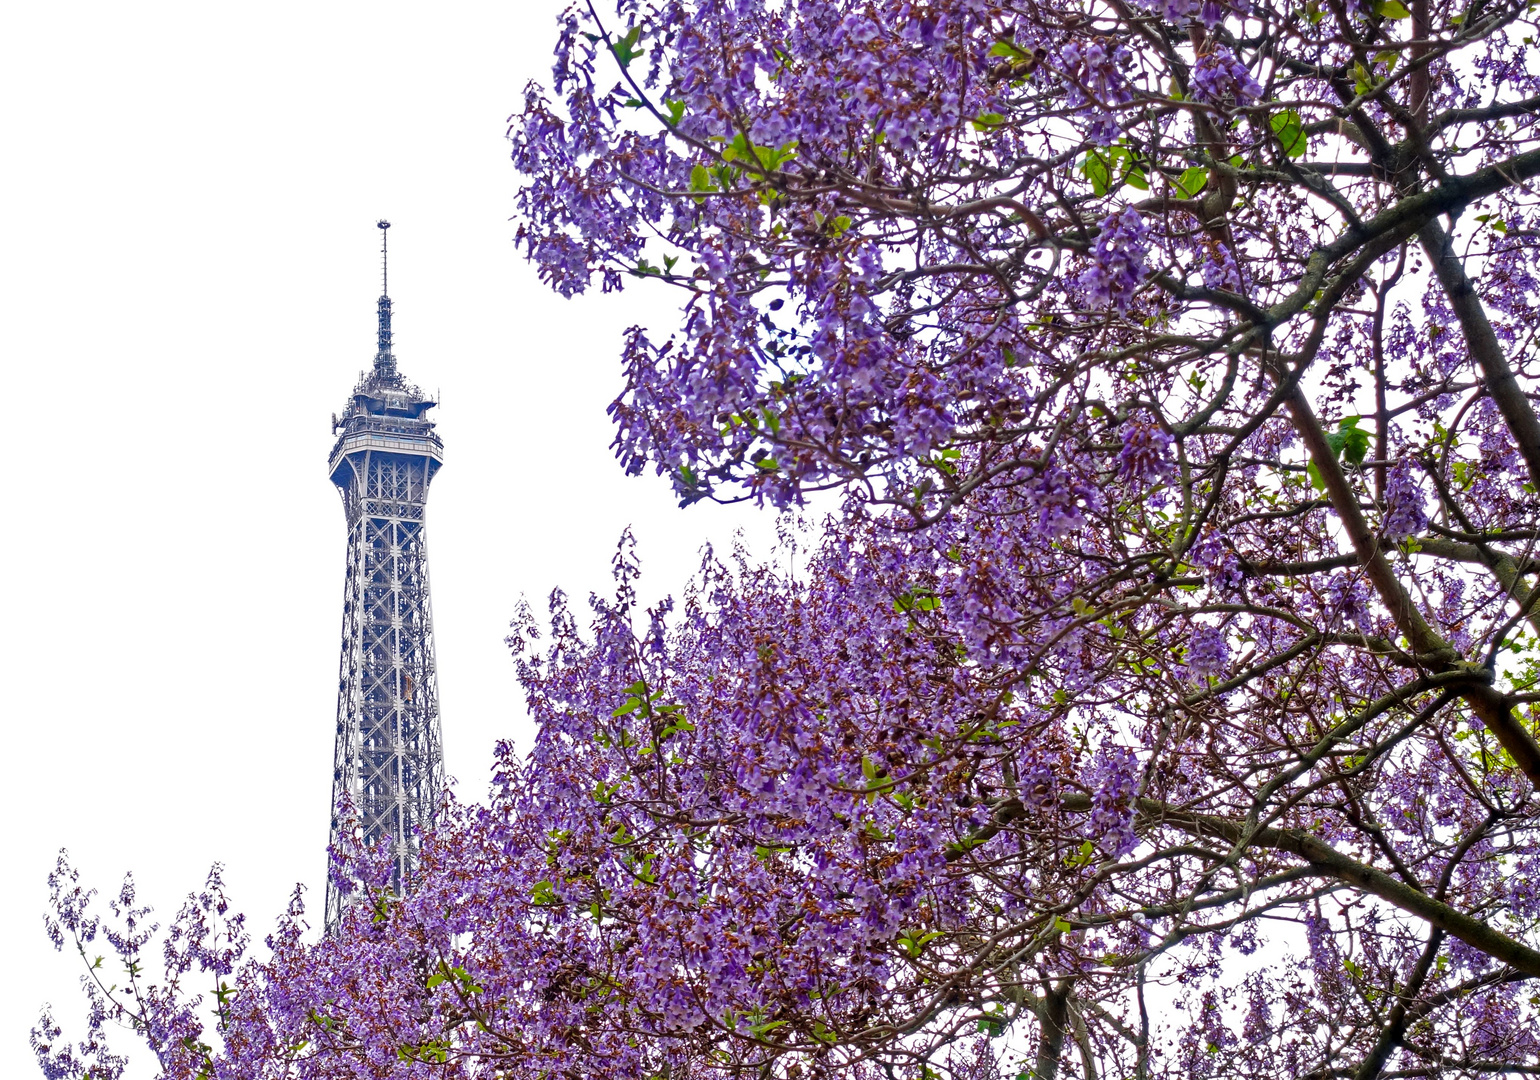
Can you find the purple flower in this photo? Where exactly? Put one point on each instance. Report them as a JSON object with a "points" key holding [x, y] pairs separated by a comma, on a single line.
{"points": [[1145, 455], [1220, 79], [1058, 498], [1094, 73], [1114, 778], [1039, 782], [1219, 562], [1220, 270], [1117, 261], [1347, 597], [1404, 512], [1208, 653]]}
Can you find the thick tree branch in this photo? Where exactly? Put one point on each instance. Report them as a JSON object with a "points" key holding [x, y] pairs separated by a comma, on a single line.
{"points": [[1484, 347]]}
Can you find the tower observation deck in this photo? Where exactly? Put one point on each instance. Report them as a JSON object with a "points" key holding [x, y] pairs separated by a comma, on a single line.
{"points": [[389, 759]]}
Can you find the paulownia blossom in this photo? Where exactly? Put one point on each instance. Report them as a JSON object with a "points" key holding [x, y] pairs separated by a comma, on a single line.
{"points": [[1160, 701]]}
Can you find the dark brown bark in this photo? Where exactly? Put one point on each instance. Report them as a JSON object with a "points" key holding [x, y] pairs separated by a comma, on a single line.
{"points": [[1485, 349], [1053, 1020]]}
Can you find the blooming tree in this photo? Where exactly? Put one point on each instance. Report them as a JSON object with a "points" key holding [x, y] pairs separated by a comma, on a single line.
{"points": [[1161, 700]]}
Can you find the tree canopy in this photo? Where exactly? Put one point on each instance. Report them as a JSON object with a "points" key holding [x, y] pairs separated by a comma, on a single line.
{"points": [[1160, 699]]}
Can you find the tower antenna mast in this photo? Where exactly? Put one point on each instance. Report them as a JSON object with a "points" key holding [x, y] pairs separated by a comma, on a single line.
{"points": [[384, 360]]}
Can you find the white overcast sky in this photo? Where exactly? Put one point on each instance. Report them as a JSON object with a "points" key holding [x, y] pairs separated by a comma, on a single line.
{"points": [[190, 266]]}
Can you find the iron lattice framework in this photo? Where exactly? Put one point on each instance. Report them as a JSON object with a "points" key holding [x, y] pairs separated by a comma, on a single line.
{"points": [[389, 759]]}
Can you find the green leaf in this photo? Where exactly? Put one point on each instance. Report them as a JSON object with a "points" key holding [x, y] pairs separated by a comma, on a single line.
{"points": [[675, 112], [767, 158], [1098, 170], [625, 49], [543, 894], [1111, 168], [1357, 446], [1008, 49], [1290, 133], [1083, 856], [915, 945], [1191, 182], [992, 1026], [701, 182], [1391, 9], [987, 121], [918, 600], [675, 728], [1349, 441]]}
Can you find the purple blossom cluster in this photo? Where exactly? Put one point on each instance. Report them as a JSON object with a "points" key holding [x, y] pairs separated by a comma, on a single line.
{"points": [[1208, 653], [1114, 778], [1405, 512], [1219, 78], [1096, 85], [1346, 600], [1220, 270], [1219, 563], [1117, 261], [1146, 454], [1060, 500]]}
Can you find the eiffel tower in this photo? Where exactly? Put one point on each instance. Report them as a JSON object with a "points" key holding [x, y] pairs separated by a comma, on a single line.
{"points": [[389, 759]]}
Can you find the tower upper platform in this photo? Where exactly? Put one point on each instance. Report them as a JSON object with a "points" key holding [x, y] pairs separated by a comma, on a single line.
{"points": [[386, 413]]}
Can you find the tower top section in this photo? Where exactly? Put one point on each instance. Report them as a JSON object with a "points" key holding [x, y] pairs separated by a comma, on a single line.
{"points": [[385, 413]]}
